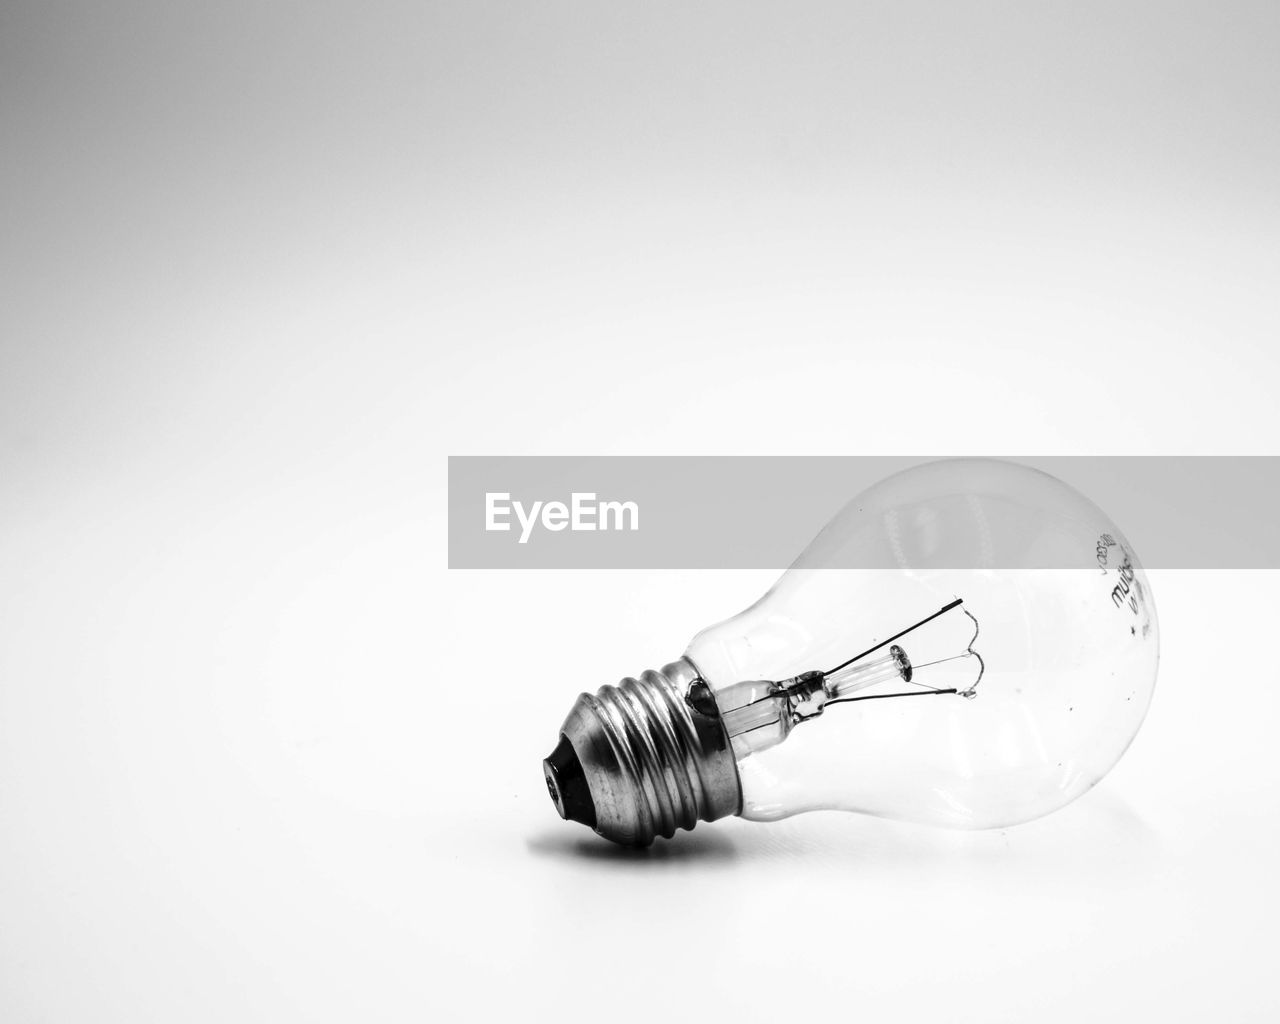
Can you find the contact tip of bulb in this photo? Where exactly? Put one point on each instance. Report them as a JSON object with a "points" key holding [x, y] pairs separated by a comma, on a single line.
{"points": [[567, 784]]}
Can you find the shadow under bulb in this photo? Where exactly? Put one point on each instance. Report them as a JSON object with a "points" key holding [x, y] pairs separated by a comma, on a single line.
{"points": [[969, 643]]}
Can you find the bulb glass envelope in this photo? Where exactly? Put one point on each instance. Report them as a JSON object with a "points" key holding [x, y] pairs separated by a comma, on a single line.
{"points": [[1049, 656]]}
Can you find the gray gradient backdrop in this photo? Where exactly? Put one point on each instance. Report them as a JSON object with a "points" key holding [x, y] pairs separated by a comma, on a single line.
{"points": [[264, 266]]}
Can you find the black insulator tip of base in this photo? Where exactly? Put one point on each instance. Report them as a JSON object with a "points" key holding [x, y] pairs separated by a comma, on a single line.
{"points": [[567, 784]]}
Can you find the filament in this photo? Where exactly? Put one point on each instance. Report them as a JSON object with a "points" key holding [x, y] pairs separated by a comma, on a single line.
{"points": [[882, 696], [871, 650], [968, 652]]}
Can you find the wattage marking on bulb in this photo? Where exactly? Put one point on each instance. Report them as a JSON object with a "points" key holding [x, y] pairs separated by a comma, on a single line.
{"points": [[1122, 594], [1103, 552]]}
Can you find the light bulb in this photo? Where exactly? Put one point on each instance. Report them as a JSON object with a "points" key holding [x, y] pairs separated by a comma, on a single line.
{"points": [[969, 643]]}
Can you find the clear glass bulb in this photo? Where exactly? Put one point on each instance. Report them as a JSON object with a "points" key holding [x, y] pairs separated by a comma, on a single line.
{"points": [[1023, 694], [969, 643]]}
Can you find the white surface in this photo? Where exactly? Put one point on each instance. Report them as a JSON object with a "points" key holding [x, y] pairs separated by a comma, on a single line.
{"points": [[262, 757]]}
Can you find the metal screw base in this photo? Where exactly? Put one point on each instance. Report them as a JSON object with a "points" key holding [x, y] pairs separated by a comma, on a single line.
{"points": [[644, 758]]}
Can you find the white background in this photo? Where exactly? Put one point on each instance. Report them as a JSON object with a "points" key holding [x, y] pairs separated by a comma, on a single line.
{"points": [[263, 757]]}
